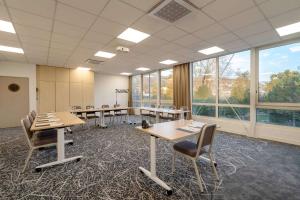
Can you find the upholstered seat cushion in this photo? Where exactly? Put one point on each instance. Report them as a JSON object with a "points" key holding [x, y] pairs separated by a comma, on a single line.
{"points": [[186, 147]]}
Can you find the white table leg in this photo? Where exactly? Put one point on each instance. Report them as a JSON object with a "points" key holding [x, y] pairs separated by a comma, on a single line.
{"points": [[152, 173], [182, 115], [60, 146], [157, 117], [102, 120]]}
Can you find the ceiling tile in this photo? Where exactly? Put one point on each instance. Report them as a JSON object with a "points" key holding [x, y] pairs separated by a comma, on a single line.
{"points": [[98, 38], [199, 45], [170, 33], [8, 36], [201, 3], [153, 42], [34, 41], [235, 46], [3, 13], [262, 38], [108, 27], [194, 21], [221, 9], [58, 45], [286, 18], [252, 29], [74, 16], [210, 32], [224, 38], [32, 32], [187, 40], [90, 45], [63, 39], [149, 24], [92, 6], [24, 18], [243, 19], [15, 57], [43, 8], [115, 11], [276, 7], [68, 30], [37, 60], [144, 5]]}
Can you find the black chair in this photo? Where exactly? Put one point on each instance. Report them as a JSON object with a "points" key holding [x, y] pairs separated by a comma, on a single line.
{"points": [[91, 114], [107, 113], [119, 113], [192, 151]]}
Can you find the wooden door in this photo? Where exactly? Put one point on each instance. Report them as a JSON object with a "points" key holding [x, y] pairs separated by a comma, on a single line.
{"points": [[14, 100]]}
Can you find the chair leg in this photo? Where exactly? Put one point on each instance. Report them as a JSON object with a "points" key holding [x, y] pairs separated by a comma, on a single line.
{"points": [[173, 163], [27, 159], [213, 167], [199, 178]]}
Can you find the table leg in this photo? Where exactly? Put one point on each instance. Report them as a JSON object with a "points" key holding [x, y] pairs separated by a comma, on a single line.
{"points": [[207, 160], [60, 146], [157, 117], [102, 120], [152, 173], [182, 115]]}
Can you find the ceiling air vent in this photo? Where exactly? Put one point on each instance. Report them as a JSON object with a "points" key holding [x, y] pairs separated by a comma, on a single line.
{"points": [[172, 10], [94, 62]]}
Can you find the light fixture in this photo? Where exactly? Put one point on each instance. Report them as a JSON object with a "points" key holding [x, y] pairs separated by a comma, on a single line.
{"points": [[142, 69], [211, 50], [133, 35], [289, 29], [104, 54], [83, 68], [11, 49], [126, 73], [7, 26], [168, 62]]}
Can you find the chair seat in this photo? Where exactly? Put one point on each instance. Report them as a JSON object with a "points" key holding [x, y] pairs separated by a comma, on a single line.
{"points": [[108, 115], [45, 137], [186, 147], [92, 117]]}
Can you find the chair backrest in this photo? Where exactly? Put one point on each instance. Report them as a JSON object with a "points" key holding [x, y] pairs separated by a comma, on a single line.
{"points": [[206, 137], [76, 107], [29, 116], [105, 106], [26, 125], [117, 105], [33, 114], [90, 107], [152, 105], [184, 108], [172, 107]]}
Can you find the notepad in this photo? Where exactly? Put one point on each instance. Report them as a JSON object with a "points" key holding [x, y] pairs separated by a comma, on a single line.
{"points": [[189, 129], [47, 120], [196, 124]]}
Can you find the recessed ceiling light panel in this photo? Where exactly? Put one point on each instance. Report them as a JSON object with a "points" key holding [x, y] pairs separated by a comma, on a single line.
{"points": [[133, 35], [289, 29], [126, 73], [7, 26], [142, 69], [11, 49], [211, 50], [168, 62], [104, 54]]}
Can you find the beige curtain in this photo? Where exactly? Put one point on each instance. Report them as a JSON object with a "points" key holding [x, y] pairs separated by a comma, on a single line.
{"points": [[181, 90], [130, 95]]}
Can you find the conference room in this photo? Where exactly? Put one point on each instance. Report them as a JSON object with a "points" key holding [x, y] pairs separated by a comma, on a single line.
{"points": [[150, 99]]}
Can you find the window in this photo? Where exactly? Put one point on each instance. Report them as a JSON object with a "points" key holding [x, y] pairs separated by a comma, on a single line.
{"points": [[234, 78], [279, 74], [153, 88], [279, 85], [136, 90], [146, 90], [166, 87], [204, 81], [204, 87]]}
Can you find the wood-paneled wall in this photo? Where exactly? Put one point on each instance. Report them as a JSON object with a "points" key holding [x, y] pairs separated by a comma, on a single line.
{"points": [[61, 88]]}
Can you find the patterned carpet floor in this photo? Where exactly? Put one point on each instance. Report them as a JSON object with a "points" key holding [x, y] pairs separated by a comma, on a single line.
{"points": [[248, 168]]}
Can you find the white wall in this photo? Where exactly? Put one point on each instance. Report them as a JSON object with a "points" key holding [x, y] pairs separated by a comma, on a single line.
{"points": [[22, 70], [105, 86]]}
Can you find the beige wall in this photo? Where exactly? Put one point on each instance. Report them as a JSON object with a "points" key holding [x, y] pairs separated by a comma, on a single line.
{"points": [[61, 88]]}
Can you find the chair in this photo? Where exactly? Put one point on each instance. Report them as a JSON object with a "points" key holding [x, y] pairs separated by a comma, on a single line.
{"points": [[91, 114], [33, 114], [30, 118], [79, 114], [39, 140], [152, 113], [184, 108], [172, 116], [107, 113], [119, 113], [193, 151]]}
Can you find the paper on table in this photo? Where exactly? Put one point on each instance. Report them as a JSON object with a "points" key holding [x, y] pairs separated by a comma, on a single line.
{"points": [[196, 124], [47, 120], [190, 129]]}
